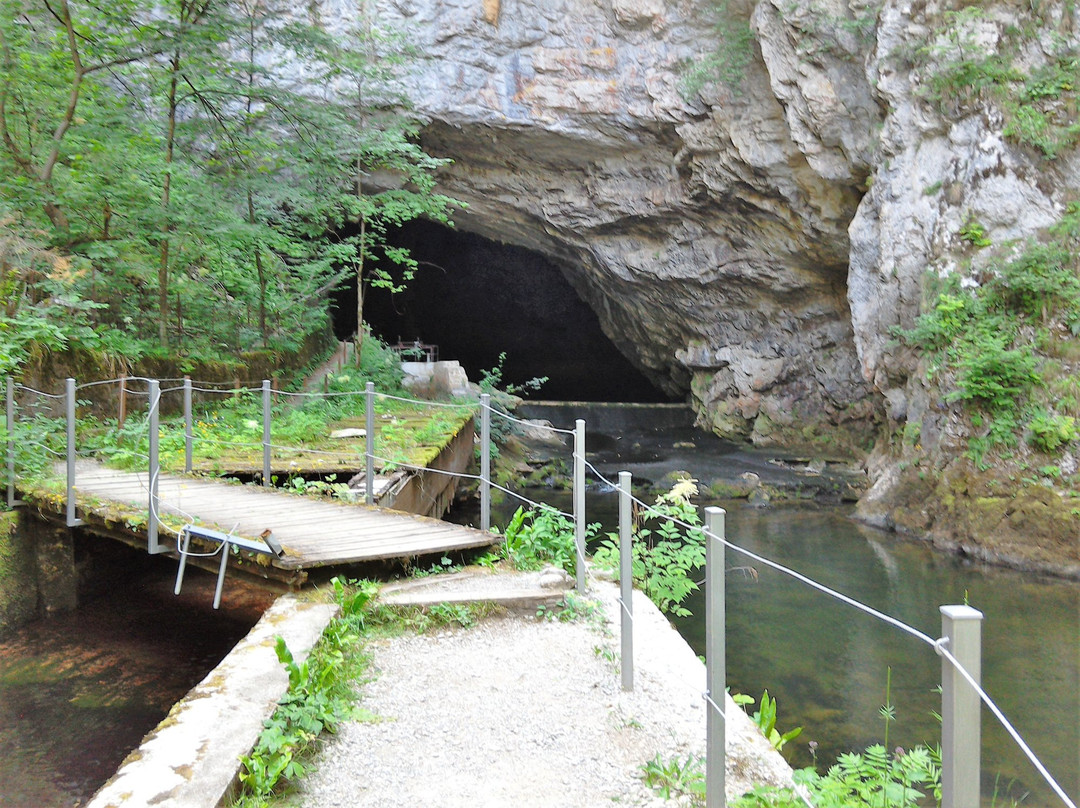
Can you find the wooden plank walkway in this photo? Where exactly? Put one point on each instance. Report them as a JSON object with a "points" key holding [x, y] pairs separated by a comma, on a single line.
{"points": [[313, 533]]}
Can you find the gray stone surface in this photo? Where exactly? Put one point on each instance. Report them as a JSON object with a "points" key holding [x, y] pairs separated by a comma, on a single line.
{"points": [[524, 712], [686, 222], [192, 757]]}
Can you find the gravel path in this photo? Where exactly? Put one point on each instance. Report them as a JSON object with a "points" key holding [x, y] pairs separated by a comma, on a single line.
{"points": [[525, 712]]}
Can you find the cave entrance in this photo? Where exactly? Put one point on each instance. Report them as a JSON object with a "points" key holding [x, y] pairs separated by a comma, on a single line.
{"points": [[475, 298]]}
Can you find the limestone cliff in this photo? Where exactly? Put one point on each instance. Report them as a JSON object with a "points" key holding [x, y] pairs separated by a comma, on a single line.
{"points": [[756, 243]]}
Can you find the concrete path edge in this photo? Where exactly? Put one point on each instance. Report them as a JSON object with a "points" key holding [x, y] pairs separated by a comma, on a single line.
{"points": [[192, 757]]}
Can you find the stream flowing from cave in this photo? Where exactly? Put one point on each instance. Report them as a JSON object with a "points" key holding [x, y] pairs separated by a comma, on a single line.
{"points": [[79, 690], [825, 663]]}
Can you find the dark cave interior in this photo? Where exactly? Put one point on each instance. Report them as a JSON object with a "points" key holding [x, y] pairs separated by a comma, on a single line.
{"points": [[475, 298]]}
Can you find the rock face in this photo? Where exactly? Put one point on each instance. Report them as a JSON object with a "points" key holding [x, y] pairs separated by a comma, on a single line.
{"points": [[707, 233], [756, 243]]}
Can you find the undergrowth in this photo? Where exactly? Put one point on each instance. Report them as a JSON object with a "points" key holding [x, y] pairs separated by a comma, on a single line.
{"points": [[323, 689], [979, 344], [664, 554]]}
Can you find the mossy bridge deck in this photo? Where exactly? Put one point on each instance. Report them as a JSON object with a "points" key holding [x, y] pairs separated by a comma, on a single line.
{"points": [[311, 533]]}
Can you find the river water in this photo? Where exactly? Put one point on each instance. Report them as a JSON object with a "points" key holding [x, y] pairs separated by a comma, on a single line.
{"points": [[827, 664], [78, 691]]}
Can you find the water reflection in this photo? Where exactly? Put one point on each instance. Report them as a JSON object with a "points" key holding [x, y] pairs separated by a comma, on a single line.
{"points": [[78, 691], [827, 663]]}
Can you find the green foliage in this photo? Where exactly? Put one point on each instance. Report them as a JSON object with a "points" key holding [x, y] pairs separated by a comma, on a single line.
{"points": [[992, 375], [962, 72], [733, 51], [765, 718], [536, 537], [973, 233], [860, 780], [572, 607], [175, 186], [1041, 281], [670, 778], [869, 779], [1050, 432], [664, 553], [319, 698], [978, 342]]}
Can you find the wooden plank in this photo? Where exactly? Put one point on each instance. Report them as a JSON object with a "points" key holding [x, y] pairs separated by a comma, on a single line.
{"points": [[315, 533]]}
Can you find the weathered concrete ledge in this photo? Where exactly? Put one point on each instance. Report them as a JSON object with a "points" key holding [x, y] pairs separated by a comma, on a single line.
{"points": [[191, 758]]}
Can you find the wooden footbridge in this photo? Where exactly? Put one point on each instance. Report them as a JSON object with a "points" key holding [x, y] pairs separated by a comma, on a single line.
{"points": [[307, 533], [272, 534]]}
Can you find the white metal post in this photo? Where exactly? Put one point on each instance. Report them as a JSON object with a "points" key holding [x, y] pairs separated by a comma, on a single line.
{"points": [[152, 545], [961, 718], [69, 402], [266, 431], [189, 433], [626, 581], [715, 660], [10, 424], [485, 462], [579, 502], [369, 442]]}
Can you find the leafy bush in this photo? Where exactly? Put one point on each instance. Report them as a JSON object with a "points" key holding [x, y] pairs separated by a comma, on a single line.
{"points": [[991, 374], [1037, 283], [1049, 432], [860, 780], [664, 553], [536, 537], [669, 778]]}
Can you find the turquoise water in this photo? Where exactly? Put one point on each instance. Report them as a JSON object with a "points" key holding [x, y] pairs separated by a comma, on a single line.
{"points": [[827, 664]]}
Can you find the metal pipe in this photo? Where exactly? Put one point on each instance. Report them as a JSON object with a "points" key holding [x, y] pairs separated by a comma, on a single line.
{"points": [[715, 660], [579, 502], [69, 402], [485, 462], [183, 563], [189, 433], [961, 710], [152, 545], [266, 431], [221, 574], [369, 443], [10, 424], [626, 581]]}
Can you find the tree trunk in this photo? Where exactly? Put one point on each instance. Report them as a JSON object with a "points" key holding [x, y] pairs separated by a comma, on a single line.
{"points": [[166, 197]]}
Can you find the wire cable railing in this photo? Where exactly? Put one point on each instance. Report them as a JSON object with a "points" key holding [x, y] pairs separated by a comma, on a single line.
{"points": [[485, 411], [939, 645]]}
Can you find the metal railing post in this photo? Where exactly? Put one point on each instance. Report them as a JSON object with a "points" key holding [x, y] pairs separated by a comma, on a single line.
{"points": [[626, 581], [266, 431], [715, 659], [579, 502], [69, 407], [10, 424], [485, 462], [154, 468], [961, 728], [189, 433], [369, 443]]}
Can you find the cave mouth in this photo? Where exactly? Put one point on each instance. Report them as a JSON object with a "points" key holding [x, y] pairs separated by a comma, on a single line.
{"points": [[475, 299]]}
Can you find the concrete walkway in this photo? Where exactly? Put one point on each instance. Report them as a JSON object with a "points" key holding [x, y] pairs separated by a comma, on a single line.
{"points": [[191, 759]]}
